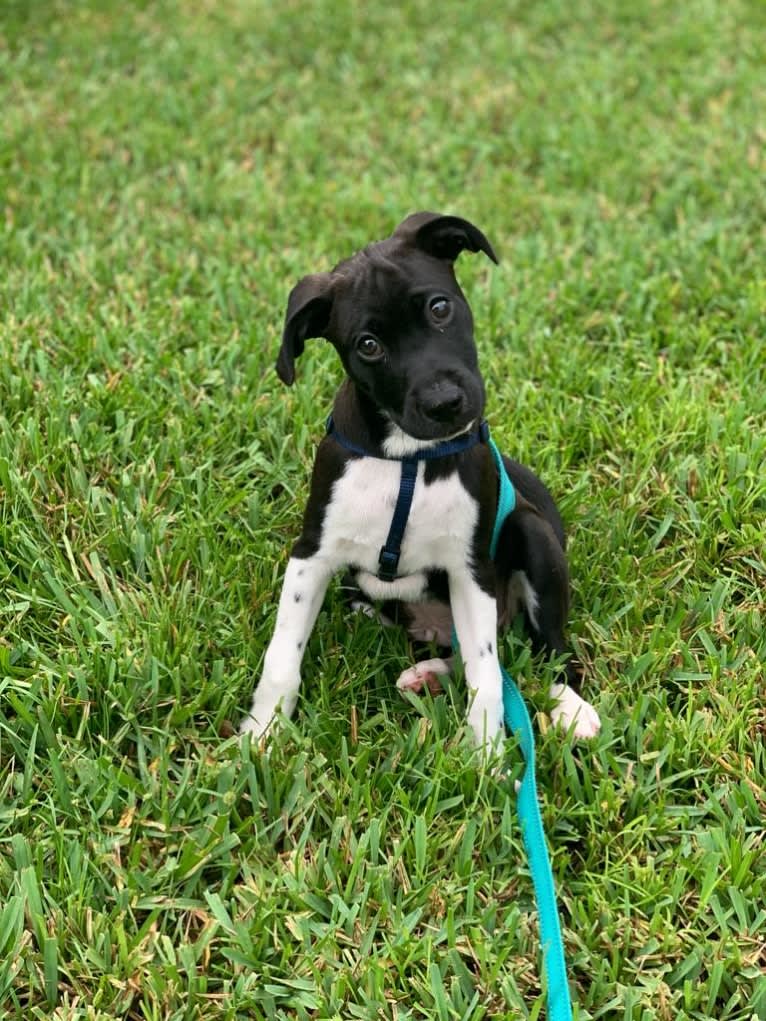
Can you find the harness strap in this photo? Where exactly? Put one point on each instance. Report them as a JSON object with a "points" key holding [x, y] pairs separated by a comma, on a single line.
{"points": [[445, 448], [388, 561]]}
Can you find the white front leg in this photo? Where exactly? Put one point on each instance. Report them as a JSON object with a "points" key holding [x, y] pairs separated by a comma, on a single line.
{"points": [[302, 593], [475, 616]]}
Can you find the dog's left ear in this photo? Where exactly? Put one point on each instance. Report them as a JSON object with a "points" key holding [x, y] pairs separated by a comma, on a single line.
{"points": [[444, 237], [308, 315]]}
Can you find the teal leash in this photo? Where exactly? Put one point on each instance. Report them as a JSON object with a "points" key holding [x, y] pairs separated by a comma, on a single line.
{"points": [[518, 722], [557, 988], [515, 712]]}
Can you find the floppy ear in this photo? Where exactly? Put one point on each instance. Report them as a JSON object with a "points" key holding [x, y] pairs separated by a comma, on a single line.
{"points": [[308, 313], [444, 237]]}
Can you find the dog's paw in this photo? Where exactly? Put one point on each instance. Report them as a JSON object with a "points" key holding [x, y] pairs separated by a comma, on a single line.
{"points": [[254, 727], [362, 606], [571, 710], [273, 694], [486, 734], [424, 675]]}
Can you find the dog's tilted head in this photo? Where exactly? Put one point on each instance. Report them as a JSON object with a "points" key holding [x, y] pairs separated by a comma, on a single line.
{"points": [[401, 325]]}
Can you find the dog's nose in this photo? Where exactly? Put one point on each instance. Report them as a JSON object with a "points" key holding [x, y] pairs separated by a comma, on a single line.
{"points": [[442, 402]]}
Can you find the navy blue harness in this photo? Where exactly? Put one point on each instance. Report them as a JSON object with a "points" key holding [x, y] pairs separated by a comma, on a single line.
{"points": [[388, 561]]}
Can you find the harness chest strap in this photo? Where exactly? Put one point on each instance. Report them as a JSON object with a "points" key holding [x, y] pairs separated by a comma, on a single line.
{"points": [[388, 561], [506, 502]]}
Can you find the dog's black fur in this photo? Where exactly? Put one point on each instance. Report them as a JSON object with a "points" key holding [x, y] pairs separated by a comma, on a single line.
{"points": [[404, 332], [356, 298]]}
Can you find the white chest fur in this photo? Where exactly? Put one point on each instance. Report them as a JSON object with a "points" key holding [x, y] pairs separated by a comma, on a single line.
{"points": [[438, 535]]}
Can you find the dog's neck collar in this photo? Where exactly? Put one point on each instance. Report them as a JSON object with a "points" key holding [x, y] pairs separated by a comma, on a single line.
{"points": [[388, 561], [447, 448]]}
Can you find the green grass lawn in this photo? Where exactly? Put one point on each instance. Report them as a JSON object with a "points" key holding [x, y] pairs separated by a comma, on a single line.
{"points": [[167, 172]]}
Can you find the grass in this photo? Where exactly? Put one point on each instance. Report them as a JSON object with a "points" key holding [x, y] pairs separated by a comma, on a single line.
{"points": [[167, 172]]}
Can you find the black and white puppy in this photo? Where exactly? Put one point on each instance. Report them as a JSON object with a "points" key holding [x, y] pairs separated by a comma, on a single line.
{"points": [[404, 332]]}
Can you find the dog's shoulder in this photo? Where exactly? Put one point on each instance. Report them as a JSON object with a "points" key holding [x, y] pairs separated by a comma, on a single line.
{"points": [[330, 463]]}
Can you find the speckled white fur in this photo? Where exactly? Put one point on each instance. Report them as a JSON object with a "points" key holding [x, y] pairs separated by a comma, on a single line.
{"points": [[439, 533]]}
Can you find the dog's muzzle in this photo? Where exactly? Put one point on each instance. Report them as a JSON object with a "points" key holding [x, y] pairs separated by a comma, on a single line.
{"points": [[443, 402], [443, 406]]}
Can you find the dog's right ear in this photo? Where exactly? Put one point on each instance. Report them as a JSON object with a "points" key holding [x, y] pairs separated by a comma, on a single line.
{"points": [[444, 237], [308, 315]]}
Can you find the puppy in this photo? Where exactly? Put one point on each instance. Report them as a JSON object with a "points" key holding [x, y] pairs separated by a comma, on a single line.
{"points": [[414, 396]]}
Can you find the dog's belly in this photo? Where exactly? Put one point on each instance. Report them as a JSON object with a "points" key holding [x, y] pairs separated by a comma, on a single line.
{"points": [[430, 621], [438, 536]]}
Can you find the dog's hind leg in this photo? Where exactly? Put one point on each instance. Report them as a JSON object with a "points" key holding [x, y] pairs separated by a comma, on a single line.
{"points": [[571, 710], [535, 573]]}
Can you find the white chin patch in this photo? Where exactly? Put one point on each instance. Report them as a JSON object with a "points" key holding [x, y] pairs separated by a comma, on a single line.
{"points": [[398, 443]]}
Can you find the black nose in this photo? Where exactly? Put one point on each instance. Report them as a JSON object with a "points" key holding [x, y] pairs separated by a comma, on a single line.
{"points": [[442, 402]]}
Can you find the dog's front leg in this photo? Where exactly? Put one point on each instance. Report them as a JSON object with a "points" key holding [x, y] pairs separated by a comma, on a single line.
{"points": [[302, 593], [475, 616]]}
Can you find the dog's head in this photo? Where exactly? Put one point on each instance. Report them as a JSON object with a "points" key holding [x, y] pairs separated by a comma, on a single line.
{"points": [[401, 325]]}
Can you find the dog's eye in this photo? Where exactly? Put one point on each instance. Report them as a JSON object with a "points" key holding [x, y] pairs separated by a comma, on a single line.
{"points": [[368, 348], [440, 309]]}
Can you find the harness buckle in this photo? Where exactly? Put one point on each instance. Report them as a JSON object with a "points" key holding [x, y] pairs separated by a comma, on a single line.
{"points": [[388, 563]]}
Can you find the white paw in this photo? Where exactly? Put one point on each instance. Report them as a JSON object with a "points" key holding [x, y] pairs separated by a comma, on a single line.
{"points": [[571, 709], [266, 703], [488, 737], [424, 675], [485, 718], [251, 725], [361, 606]]}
